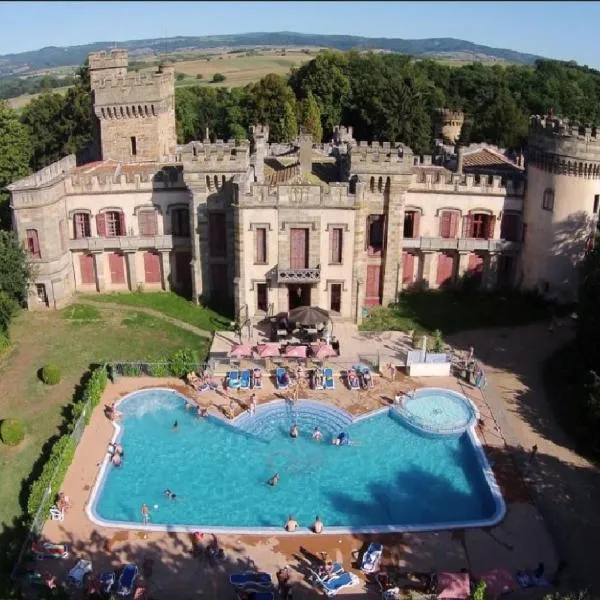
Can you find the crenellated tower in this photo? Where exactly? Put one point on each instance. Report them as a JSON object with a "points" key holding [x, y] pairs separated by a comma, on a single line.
{"points": [[136, 111], [449, 125], [561, 204]]}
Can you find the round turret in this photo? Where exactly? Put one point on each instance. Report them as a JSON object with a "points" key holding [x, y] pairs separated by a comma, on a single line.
{"points": [[449, 125], [561, 204]]}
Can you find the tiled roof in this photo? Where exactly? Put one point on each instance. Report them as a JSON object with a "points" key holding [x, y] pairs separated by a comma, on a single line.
{"points": [[485, 158]]}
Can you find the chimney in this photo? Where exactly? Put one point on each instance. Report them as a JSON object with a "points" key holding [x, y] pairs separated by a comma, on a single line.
{"points": [[459, 160], [305, 141]]}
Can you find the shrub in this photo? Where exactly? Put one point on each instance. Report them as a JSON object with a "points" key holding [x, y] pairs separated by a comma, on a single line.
{"points": [[218, 77], [438, 341], [182, 362], [158, 370], [179, 76], [4, 342], [95, 386], [199, 76], [12, 432], [51, 374]]}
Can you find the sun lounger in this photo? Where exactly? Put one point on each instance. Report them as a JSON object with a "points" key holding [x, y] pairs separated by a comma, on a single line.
{"points": [[78, 572], [251, 579], [127, 580], [371, 558], [233, 380], [328, 382], [317, 381], [332, 585], [353, 380], [245, 380], [335, 570], [106, 580], [282, 378], [56, 514], [44, 550], [257, 379]]}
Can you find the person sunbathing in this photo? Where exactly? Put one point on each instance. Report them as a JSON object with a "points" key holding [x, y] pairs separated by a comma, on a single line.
{"points": [[195, 381]]}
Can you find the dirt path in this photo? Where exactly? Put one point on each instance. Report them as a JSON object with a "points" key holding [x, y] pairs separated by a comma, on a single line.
{"points": [[149, 311], [566, 486]]}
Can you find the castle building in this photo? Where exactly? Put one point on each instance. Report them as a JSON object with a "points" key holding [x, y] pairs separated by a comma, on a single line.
{"points": [[268, 227]]}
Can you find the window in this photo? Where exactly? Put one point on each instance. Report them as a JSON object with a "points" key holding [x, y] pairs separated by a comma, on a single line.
{"points": [[260, 239], [116, 265], [375, 234], [479, 226], [335, 300], [180, 222], [548, 200], [110, 224], [81, 226], [336, 241], [147, 222], [133, 145], [448, 224], [217, 235], [151, 267], [596, 202], [411, 224], [40, 289], [87, 269], [33, 244], [261, 297], [509, 229]]}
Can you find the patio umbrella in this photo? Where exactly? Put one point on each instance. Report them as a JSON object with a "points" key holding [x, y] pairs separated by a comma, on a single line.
{"points": [[308, 315], [323, 351], [267, 350], [296, 352], [453, 586], [240, 350], [498, 581]]}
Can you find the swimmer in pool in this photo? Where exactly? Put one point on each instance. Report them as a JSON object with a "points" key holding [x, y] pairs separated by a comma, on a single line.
{"points": [[294, 431], [176, 426], [341, 440], [317, 435], [274, 480], [170, 495]]}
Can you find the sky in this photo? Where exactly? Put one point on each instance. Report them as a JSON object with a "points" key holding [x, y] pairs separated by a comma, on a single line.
{"points": [[562, 30]]}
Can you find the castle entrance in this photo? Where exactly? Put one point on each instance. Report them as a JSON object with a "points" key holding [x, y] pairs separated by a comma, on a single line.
{"points": [[298, 295]]}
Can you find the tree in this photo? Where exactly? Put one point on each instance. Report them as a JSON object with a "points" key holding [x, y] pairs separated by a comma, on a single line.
{"points": [[271, 101], [310, 117], [15, 269], [78, 113], [218, 77], [15, 154]]}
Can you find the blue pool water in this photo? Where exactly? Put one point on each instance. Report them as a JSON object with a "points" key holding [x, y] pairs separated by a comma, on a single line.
{"points": [[391, 476]]}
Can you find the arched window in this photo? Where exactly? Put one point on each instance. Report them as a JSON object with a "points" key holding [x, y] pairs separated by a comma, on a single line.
{"points": [[208, 182], [223, 181], [81, 225], [146, 110], [548, 199], [216, 182], [153, 111], [372, 184], [33, 243], [380, 185], [140, 111]]}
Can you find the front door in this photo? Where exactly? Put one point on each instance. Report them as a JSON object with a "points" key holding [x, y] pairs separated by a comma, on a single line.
{"points": [[335, 303], [298, 295], [299, 248], [373, 287], [261, 297]]}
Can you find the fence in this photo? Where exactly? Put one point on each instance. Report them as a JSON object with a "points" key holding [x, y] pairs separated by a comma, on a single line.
{"points": [[41, 515], [153, 369]]}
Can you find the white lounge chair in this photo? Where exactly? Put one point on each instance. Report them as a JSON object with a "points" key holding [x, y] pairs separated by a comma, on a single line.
{"points": [[56, 514], [333, 584]]}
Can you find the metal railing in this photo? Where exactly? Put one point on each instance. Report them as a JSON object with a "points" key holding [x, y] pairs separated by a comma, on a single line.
{"points": [[298, 275]]}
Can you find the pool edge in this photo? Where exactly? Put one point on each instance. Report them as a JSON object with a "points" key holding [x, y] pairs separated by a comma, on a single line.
{"points": [[482, 459]]}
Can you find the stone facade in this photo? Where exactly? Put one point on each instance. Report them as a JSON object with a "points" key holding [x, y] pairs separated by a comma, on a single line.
{"points": [[263, 226]]}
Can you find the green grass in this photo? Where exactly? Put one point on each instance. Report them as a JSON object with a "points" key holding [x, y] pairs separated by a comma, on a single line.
{"points": [[73, 344], [453, 311], [172, 305]]}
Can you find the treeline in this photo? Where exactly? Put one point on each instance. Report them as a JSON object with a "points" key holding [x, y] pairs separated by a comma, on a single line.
{"points": [[12, 88], [382, 96]]}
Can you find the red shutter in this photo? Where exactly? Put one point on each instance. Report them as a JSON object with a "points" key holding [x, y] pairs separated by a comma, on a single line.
{"points": [[142, 223], [101, 224], [298, 248], [122, 224], [468, 226], [372, 291], [408, 267], [416, 223], [445, 268], [88, 269], [116, 264], [260, 236], [152, 267], [36, 243], [453, 224], [446, 224], [491, 227], [335, 245], [475, 263]]}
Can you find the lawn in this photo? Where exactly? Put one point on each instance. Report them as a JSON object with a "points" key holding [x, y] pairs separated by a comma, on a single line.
{"points": [[73, 339], [169, 304], [453, 311]]}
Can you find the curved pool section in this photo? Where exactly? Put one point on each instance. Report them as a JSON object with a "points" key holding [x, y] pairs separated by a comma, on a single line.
{"points": [[393, 477]]}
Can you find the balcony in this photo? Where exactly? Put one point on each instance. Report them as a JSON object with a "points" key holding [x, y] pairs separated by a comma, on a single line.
{"points": [[461, 244], [99, 244], [298, 275]]}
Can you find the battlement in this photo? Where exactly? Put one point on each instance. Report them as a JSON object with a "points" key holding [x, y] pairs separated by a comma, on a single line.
{"points": [[114, 59], [46, 176], [556, 126], [259, 131], [342, 134], [334, 195], [449, 114], [445, 182], [164, 77], [232, 155]]}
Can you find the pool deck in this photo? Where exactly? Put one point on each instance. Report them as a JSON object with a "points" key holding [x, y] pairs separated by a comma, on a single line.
{"points": [[520, 541]]}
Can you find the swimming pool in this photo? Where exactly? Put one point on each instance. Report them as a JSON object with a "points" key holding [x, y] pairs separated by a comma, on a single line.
{"points": [[391, 477]]}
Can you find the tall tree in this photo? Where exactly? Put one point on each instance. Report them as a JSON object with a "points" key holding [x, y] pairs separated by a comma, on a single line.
{"points": [[15, 154], [78, 112], [310, 117], [15, 270]]}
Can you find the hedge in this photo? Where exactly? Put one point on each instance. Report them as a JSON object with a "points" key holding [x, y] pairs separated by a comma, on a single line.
{"points": [[51, 374], [177, 365], [62, 452], [12, 432]]}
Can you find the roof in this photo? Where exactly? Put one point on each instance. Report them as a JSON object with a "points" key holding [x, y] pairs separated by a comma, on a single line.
{"points": [[112, 167], [486, 159]]}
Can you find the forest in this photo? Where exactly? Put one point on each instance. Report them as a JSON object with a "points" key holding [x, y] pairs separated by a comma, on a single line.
{"points": [[382, 96]]}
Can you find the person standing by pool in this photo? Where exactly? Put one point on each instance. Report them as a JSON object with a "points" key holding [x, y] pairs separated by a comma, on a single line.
{"points": [[294, 431], [318, 525], [317, 435], [145, 514], [291, 524], [253, 404]]}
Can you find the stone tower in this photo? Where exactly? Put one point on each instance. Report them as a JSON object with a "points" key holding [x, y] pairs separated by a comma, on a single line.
{"points": [[136, 111], [260, 142], [449, 125], [561, 204]]}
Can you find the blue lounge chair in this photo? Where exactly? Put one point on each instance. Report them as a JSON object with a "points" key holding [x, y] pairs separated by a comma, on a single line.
{"points": [[245, 380], [253, 579], [282, 378], [331, 585], [107, 579], [233, 380], [372, 558], [328, 381], [127, 580], [336, 569]]}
